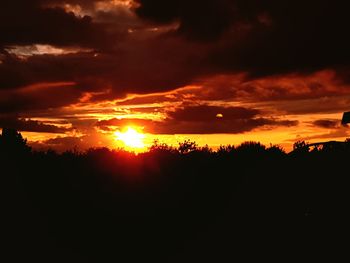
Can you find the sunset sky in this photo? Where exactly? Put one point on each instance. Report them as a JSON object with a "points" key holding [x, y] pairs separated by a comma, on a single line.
{"points": [[77, 73]]}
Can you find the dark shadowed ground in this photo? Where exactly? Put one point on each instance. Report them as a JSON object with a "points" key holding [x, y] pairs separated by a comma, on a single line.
{"points": [[174, 205]]}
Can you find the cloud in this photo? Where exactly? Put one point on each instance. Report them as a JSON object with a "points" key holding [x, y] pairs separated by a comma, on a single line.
{"points": [[200, 119], [204, 20], [30, 22], [261, 38], [73, 59], [60, 144], [64, 141], [204, 113], [80, 142], [41, 96], [327, 124], [30, 125], [131, 55], [336, 104], [247, 43], [304, 37], [318, 92], [341, 133]]}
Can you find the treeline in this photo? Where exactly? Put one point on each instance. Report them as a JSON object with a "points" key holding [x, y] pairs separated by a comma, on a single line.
{"points": [[184, 204]]}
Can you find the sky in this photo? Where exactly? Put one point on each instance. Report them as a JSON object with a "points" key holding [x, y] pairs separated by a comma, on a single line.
{"points": [[74, 73]]}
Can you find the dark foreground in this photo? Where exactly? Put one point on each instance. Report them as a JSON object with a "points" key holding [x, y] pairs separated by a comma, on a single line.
{"points": [[165, 206]]}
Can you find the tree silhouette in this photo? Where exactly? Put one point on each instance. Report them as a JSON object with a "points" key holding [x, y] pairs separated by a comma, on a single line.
{"points": [[275, 150], [251, 148], [158, 147], [225, 149], [12, 142], [105, 204], [301, 147], [187, 146]]}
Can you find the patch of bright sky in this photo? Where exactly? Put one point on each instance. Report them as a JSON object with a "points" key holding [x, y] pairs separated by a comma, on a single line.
{"points": [[38, 49]]}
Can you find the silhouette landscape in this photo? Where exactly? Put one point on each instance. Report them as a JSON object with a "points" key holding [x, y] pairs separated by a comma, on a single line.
{"points": [[174, 131], [185, 204]]}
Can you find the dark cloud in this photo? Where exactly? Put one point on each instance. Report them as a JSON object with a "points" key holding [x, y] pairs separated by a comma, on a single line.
{"points": [[225, 126], [220, 50], [337, 134], [257, 38], [201, 120], [31, 22], [16, 72], [213, 119], [84, 3], [73, 141], [64, 143], [303, 37], [320, 92], [131, 69], [261, 37], [41, 96], [204, 20], [327, 124], [60, 144], [203, 113], [30, 125], [325, 105]]}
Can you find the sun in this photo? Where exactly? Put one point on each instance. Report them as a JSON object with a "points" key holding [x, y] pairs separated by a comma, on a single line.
{"points": [[131, 138]]}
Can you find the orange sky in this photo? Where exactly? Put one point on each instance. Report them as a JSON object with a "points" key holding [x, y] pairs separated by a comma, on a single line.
{"points": [[136, 110]]}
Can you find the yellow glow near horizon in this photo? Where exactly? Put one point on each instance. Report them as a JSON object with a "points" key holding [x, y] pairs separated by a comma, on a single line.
{"points": [[131, 138]]}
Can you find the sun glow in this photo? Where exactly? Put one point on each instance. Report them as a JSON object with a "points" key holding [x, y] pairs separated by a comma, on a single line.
{"points": [[131, 138]]}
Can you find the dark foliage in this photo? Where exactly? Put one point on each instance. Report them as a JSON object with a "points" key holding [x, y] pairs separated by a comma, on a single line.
{"points": [[172, 205]]}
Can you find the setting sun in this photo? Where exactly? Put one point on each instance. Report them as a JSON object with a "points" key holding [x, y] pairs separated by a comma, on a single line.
{"points": [[131, 138]]}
